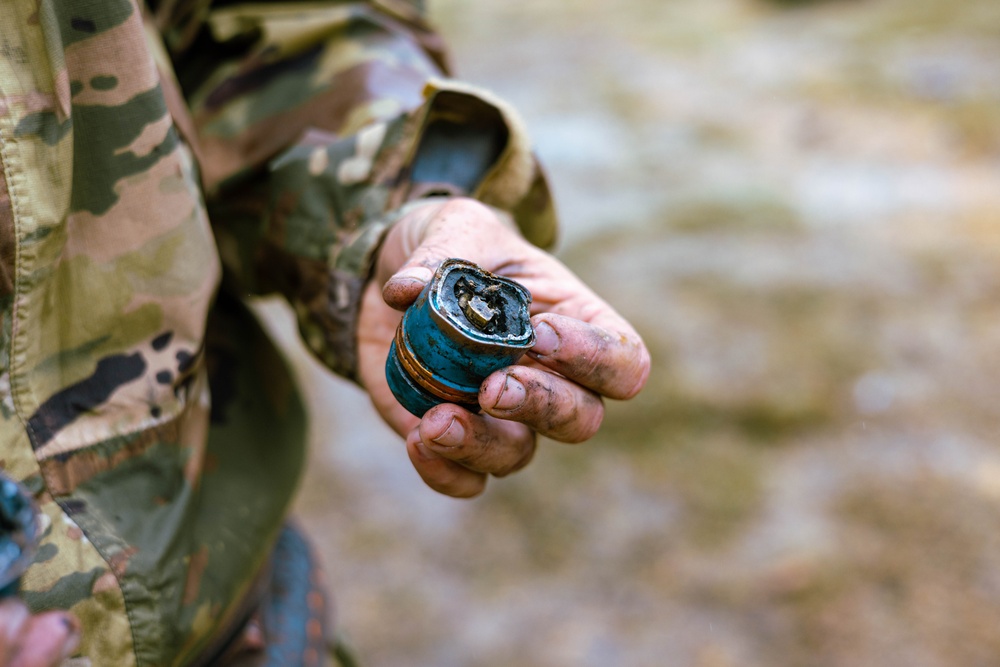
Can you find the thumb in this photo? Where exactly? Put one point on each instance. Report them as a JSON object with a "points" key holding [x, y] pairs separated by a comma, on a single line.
{"points": [[417, 245], [403, 288]]}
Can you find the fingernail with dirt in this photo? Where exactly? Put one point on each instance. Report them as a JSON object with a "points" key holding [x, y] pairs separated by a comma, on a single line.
{"points": [[511, 396], [13, 616], [416, 274], [452, 436], [546, 340]]}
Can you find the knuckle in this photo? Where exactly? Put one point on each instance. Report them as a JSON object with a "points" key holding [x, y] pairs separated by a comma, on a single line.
{"points": [[564, 425], [639, 375], [470, 454], [596, 418], [546, 403], [560, 417], [595, 359], [582, 421], [632, 372], [590, 309], [461, 456], [432, 254], [523, 457], [590, 355], [466, 209]]}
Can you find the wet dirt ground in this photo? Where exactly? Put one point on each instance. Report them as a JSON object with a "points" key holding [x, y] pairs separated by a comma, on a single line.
{"points": [[798, 205]]}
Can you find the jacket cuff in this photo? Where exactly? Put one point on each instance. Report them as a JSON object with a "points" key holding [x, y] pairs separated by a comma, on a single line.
{"points": [[332, 200]]}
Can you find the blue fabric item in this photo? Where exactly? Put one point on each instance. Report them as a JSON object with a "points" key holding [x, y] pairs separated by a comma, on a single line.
{"points": [[294, 613]]}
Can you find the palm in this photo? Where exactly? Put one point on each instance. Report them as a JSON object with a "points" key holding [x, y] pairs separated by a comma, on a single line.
{"points": [[512, 257], [555, 390], [378, 326]]}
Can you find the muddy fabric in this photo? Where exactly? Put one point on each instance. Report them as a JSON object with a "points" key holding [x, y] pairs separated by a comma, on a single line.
{"points": [[148, 155]]}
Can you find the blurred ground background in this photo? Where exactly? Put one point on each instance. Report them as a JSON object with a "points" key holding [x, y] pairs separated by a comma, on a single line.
{"points": [[798, 204]]}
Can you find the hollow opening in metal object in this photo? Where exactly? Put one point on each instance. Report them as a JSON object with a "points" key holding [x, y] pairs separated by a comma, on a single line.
{"points": [[479, 302], [482, 305]]}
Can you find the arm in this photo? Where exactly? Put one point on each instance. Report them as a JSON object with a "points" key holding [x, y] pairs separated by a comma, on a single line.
{"points": [[315, 126], [314, 220]]}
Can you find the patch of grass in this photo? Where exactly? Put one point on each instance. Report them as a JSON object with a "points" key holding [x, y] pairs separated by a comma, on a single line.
{"points": [[719, 481], [923, 552], [527, 523], [697, 455], [797, 3], [581, 254], [913, 579], [733, 215], [976, 127], [926, 527], [717, 133], [901, 19], [714, 475], [644, 423], [808, 346]]}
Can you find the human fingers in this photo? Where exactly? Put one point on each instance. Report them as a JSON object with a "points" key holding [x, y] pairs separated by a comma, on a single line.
{"points": [[375, 331], [478, 442], [612, 362], [14, 618], [442, 475], [395, 415], [547, 403], [416, 246], [46, 640]]}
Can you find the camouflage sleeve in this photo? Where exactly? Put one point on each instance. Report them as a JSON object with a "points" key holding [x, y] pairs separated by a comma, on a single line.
{"points": [[315, 124]]}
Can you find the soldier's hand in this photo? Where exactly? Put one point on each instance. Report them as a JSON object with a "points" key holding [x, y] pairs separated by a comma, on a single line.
{"points": [[583, 351], [42, 640]]}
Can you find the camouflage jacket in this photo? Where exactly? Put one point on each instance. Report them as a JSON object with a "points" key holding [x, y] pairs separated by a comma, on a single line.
{"points": [[150, 415]]}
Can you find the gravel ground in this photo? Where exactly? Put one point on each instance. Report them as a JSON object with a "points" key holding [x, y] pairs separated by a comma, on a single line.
{"points": [[798, 204]]}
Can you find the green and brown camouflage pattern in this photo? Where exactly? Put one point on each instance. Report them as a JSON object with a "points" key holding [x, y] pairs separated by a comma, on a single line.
{"points": [[154, 420]]}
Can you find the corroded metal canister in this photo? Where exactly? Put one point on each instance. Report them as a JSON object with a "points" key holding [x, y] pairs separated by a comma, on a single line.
{"points": [[466, 324]]}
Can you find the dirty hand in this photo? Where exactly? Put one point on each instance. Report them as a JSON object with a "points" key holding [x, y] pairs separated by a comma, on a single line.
{"points": [[42, 640], [584, 350]]}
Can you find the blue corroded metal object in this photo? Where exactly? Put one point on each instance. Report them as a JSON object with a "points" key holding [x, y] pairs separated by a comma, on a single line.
{"points": [[466, 324], [19, 534]]}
